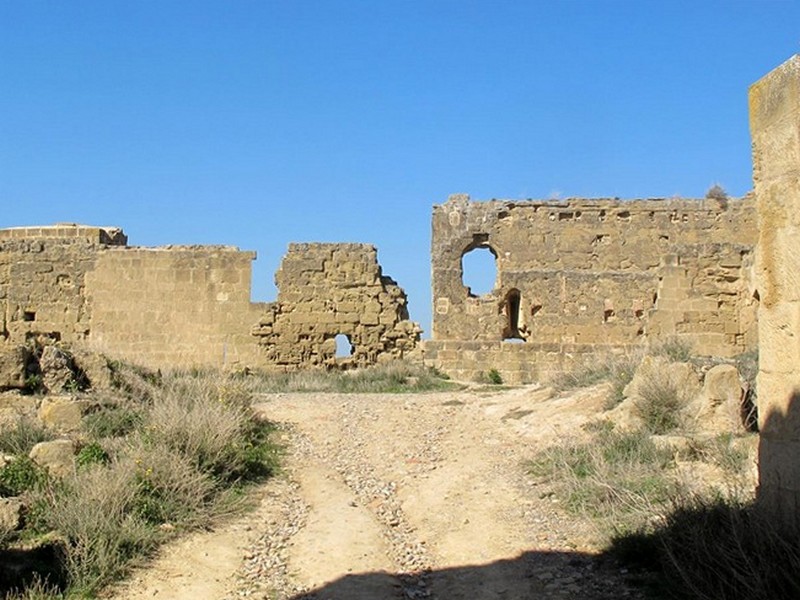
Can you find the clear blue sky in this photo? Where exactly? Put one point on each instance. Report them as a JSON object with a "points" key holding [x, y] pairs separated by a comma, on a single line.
{"points": [[261, 123]]}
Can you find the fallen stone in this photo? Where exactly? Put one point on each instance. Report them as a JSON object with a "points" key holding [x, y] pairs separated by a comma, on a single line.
{"points": [[10, 514], [57, 456], [62, 413], [57, 369], [718, 408]]}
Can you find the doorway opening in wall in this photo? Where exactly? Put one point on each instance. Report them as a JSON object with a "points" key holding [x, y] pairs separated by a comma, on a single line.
{"points": [[510, 308], [479, 270], [344, 347]]}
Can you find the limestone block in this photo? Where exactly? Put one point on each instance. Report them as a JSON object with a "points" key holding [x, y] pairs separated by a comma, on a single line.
{"points": [[10, 514], [62, 413], [57, 456], [13, 366], [718, 408]]}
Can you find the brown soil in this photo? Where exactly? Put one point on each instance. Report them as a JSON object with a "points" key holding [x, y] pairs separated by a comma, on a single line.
{"points": [[401, 496]]}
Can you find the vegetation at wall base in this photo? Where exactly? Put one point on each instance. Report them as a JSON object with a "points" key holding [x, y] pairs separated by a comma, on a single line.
{"points": [[390, 378]]}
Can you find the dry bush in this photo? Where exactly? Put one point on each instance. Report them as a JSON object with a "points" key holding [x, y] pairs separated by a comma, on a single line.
{"points": [[93, 513]]}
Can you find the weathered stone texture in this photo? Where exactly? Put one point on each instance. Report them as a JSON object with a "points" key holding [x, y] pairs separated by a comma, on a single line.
{"points": [[775, 131], [327, 290], [173, 306], [181, 306], [580, 275]]}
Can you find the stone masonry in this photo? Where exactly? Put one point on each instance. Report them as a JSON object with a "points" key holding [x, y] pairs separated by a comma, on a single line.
{"points": [[578, 276], [775, 131], [327, 290], [183, 306]]}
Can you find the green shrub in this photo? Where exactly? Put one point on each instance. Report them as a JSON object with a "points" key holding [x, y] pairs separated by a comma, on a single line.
{"points": [[92, 454], [112, 421], [20, 475]]}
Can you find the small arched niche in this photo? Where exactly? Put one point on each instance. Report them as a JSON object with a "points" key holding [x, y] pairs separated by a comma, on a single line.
{"points": [[479, 268], [510, 308]]}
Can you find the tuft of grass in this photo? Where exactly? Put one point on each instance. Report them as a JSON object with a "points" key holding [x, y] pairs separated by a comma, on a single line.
{"points": [[673, 348], [116, 420], [616, 477], [723, 451], [23, 435], [715, 549], [490, 377], [659, 403], [618, 369]]}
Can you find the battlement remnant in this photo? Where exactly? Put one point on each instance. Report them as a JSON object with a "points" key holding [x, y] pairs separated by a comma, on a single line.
{"points": [[330, 290]]}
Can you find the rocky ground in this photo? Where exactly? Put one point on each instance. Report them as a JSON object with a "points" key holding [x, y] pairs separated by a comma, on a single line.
{"points": [[401, 497]]}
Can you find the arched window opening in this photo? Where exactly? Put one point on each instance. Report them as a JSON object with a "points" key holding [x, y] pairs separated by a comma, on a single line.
{"points": [[344, 347], [510, 308], [479, 270]]}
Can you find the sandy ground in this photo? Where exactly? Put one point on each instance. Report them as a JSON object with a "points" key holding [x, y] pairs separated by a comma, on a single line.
{"points": [[400, 496]]}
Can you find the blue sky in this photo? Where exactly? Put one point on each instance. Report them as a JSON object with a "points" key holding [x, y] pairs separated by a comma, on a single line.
{"points": [[261, 123]]}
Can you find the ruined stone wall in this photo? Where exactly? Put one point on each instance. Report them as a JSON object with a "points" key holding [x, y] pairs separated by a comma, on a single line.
{"points": [[327, 290], [576, 276], [42, 280], [190, 306], [173, 306], [775, 130]]}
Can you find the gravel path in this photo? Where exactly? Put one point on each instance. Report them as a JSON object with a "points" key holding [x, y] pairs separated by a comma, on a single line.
{"points": [[402, 497]]}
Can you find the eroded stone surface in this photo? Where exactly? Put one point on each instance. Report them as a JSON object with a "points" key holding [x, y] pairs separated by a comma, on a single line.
{"points": [[579, 276], [330, 290], [182, 306], [774, 127]]}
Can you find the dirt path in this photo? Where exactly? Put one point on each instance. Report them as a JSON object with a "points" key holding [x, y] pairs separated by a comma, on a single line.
{"points": [[400, 497]]}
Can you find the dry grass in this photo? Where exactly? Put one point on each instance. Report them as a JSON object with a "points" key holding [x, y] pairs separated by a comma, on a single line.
{"points": [[395, 377], [172, 450]]}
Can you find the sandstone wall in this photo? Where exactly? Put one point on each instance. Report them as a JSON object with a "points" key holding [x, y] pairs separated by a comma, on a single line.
{"points": [[576, 276], [775, 130], [327, 290], [173, 306], [190, 306], [42, 280]]}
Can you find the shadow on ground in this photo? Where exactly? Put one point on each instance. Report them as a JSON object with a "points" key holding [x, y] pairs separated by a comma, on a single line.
{"points": [[531, 575]]}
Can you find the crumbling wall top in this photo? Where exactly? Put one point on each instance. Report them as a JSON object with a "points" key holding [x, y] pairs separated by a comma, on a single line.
{"points": [[110, 236]]}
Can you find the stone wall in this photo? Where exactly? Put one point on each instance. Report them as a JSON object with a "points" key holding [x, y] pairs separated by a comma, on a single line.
{"points": [[42, 280], [173, 306], [579, 276], [330, 290], [183, 306], [775, 130]]}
